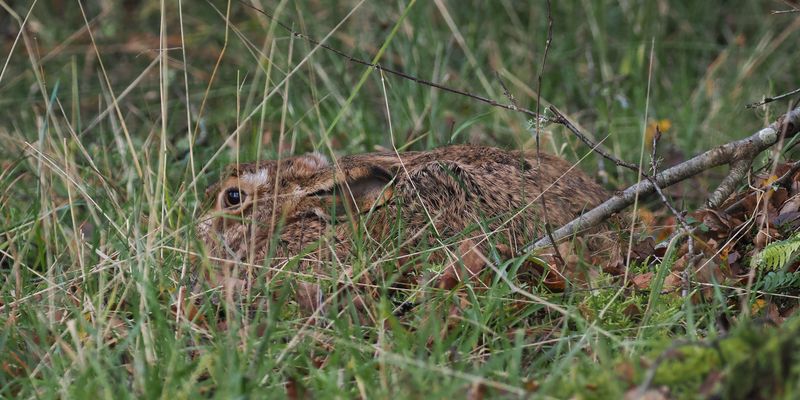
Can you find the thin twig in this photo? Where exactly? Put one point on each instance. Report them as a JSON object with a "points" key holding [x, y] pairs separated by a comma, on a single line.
{"points": [[538, 126], [789, 11], [792, 8], [561, 119], [654, 171], [506, 92], [768, 100], [654, 150], [309, 39]]}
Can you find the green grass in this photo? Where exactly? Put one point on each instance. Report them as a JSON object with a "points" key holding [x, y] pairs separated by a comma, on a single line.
{"points": [[103, 167]]}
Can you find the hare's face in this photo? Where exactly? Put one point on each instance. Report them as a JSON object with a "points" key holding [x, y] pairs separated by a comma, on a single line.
{"points": [[256, 201]]}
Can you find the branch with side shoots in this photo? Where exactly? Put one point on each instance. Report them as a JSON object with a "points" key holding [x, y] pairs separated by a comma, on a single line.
{"points": [[735, 153]]}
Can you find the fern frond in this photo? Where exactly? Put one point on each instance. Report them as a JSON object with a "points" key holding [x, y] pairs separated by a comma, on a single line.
{"points": [[776, 255], [779, 281]]}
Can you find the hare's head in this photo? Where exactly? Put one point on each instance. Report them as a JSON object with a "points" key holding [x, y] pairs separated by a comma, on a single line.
{"points": [[255, 201]]}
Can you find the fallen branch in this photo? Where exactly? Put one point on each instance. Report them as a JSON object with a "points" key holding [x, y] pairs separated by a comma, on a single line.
{"points": [[729, 153]]}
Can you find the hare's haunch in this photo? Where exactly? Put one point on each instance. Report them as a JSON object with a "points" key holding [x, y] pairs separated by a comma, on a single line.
{"points": [[455, 201]]}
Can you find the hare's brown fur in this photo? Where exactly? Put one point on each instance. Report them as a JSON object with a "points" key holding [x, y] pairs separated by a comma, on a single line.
{"points": [[480, 195]]}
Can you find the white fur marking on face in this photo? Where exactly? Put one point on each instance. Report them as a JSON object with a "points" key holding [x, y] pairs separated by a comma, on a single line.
{"points": [[255, 179]]}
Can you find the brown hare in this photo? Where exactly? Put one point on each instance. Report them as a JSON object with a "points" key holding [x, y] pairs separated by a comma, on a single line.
{"points": [[456, 201]]}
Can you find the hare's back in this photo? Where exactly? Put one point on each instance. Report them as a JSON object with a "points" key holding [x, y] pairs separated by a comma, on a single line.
{"points": [[473, 182]]}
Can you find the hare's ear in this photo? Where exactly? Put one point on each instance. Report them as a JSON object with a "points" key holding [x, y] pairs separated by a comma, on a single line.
{"points": [[357, 191], [367, 188], [307, 165]]}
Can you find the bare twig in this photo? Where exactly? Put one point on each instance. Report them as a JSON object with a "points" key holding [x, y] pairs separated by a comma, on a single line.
{"points": [[747, 148], [654, 168], [538, 127], [653, 151], [506, 92], [768, 100], [561, 119], [794, 10], [789, 11], [401, 74], [685, 228]]}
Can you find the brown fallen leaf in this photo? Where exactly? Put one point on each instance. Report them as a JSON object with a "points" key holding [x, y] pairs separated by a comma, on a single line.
{"points": [[642, 281]]}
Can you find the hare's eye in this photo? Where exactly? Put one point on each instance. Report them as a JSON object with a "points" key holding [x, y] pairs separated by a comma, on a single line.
{"points": [[234, 197]]}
